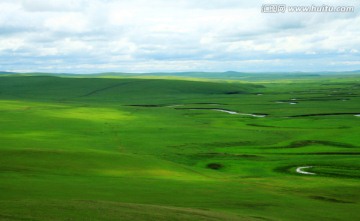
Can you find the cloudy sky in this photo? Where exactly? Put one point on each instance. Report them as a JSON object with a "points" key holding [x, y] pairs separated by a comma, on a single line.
{"points": [[88, 36]]}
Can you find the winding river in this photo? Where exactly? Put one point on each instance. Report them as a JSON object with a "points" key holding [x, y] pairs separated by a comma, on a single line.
{"points": [[302, 171], [227, 111]]}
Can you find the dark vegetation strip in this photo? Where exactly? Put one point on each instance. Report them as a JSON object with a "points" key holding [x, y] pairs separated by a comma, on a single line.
{"points": [[324, 114], [304, 143], [328, 199], [269, 126], [261, 218], [296, 144], [199, 108], [319, 153], [209, 103], [228, 155], [165, 105], [338, 171], [145, 105], [104, 89], [316, 99], [323, 99], [235, 92], [341, 84], [214, 166], [12, 217], [259, 125], [216, 144]]}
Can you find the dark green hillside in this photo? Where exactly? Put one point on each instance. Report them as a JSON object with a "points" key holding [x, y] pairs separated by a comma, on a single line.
{"points": [[55, 88]]}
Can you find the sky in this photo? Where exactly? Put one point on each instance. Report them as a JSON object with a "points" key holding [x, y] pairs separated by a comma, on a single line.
{"points": [[92, 36]]}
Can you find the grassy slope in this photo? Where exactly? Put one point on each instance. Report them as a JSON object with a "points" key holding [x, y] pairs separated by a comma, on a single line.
{"points": [[78, 148]]}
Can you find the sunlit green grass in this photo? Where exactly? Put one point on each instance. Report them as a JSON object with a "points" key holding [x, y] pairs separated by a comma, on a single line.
{"points": [[123, 149]]}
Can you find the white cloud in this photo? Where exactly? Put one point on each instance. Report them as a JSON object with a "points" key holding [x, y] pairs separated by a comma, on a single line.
{"points": [[70, 22], [52, 6], [11, 44], [140, 35]]}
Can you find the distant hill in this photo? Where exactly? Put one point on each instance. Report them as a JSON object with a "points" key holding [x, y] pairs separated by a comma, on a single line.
{"points": [[233, 75], [228, 75], [6, 72]]}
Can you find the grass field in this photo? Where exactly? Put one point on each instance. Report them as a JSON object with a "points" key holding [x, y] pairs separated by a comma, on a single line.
{"points": [[146, 148]]}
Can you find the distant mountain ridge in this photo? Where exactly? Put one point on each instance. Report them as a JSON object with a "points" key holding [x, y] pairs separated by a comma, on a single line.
{"points": [[227, 75]]}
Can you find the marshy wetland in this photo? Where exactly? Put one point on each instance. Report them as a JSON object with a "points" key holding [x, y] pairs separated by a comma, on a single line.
{"points": [[121, 148]]}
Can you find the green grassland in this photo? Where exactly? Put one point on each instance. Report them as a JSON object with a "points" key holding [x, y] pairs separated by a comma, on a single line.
{"points": [[158, 148]]}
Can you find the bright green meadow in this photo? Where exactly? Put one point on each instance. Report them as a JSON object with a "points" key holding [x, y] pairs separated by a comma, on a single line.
{"points": [[184, 147]]}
